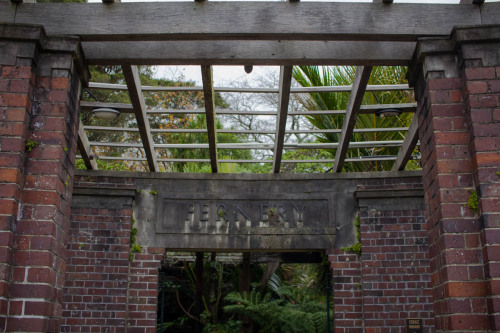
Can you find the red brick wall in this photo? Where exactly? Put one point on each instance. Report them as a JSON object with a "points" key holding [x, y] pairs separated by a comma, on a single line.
{"points": [[482, 101], [95, 292], [104, 290], [390, 281], [38, 101], [458, 99], [16, 91], [456, 258]]}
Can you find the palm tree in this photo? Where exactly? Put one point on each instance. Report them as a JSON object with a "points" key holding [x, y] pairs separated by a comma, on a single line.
{"points": [[310, 76]]}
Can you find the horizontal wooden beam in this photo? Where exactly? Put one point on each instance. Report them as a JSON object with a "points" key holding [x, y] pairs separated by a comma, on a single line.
{"points": [[470, 2], [206, 160], [364, 109], [248, 20], [250, 145], [306, 90], [286, 52], [241, 131]]}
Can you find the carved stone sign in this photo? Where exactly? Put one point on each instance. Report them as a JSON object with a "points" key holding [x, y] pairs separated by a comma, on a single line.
{"points": [[239, 216], [241, 213]]}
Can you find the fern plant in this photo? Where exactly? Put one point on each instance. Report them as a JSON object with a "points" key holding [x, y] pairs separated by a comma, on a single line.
{"points": [[293, 312]]}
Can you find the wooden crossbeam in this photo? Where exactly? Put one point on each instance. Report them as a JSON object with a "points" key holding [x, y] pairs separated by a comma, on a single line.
{"points": [[202, 160], [84, 148], [131, 74], [258, 145], [358, 90], [283, 100], [409, 144], [240, 131], [470, 2], [248, 20], [208, 96], [364, 109], [307, 90]]}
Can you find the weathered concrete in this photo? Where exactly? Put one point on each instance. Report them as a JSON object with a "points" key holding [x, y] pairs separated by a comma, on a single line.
{"points": [[247, 212]]}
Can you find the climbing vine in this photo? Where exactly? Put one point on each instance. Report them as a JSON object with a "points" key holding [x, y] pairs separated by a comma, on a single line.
{"points": [[356, 248], [134, 246]]}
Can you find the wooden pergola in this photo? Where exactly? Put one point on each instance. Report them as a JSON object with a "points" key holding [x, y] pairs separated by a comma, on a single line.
{"points": [[281, 34]]}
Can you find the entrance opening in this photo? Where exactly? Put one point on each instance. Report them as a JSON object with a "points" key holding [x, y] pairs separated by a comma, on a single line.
{"points": [[244, 292]]}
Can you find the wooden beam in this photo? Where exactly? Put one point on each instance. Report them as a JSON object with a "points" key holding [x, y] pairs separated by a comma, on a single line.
{"points": [[307, 90], [240, 131], [288, 52], [131, 74], [248, 20], [364, 109], [258, 145], [201, 160], [84, 148], [358, 90], [489, 13], [470, 2], [7, 11], [283, 100], [409, 144], [208, 96]]}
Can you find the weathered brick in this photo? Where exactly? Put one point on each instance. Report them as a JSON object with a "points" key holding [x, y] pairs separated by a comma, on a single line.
{"points": [[480, 73]]}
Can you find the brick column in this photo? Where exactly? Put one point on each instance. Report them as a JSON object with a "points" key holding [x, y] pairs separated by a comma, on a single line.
{"points": [[390, 281], [456, 85], [39, 95]]}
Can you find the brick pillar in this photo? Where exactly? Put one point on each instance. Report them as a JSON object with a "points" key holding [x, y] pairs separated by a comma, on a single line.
{"points": [[347, 291], [39, 95], [457, 87], [390, 281]]}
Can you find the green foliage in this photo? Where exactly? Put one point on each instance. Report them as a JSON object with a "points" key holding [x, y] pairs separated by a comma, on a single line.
{"points": [[136, 248], [308, 76], [294, 312], [356, 248], [473, 201], [231, 326], [30, 145], [103, 165], [153, 192], [133, 232]]}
